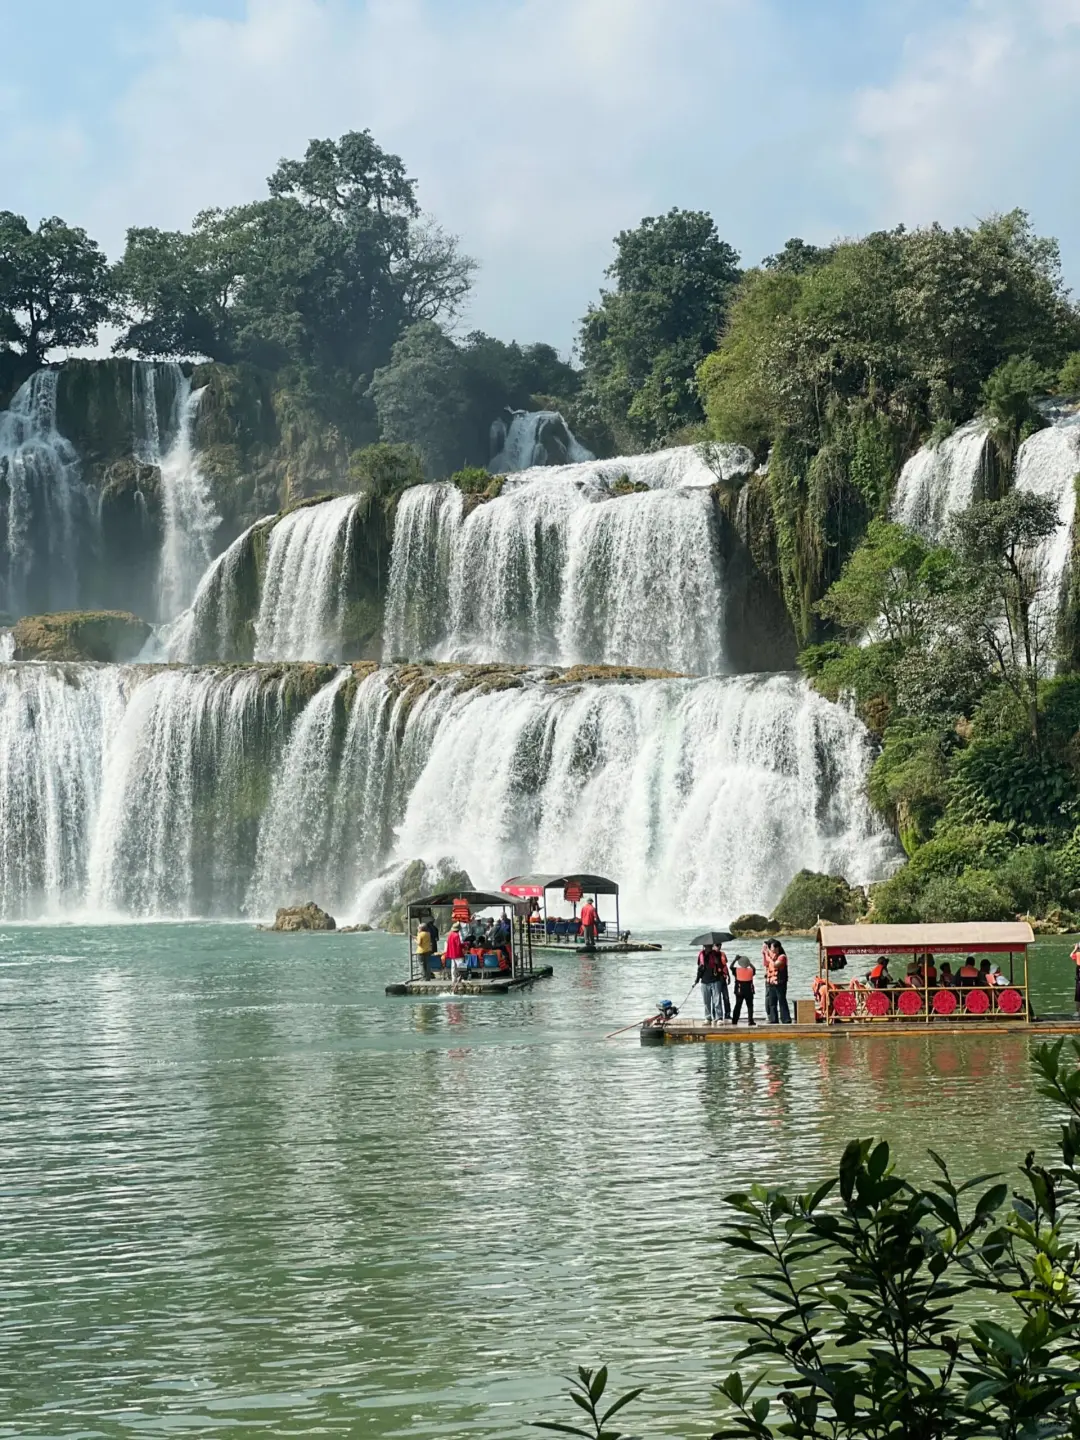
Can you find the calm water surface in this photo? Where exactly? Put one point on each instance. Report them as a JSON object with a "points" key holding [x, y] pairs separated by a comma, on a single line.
{"points": [[243, 1191]]}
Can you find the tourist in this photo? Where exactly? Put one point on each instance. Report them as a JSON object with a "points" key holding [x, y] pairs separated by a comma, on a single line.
{"points": [[501, 934], [996, 977], [968, 974], [744, 989], [590, 922], [984, 972], [708, 977], [725, 974], [454, 954], [946, 978], [424, 948], [775, 962], [878, 975]]}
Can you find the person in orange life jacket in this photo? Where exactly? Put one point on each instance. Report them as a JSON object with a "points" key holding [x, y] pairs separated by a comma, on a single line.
{"points": [[927, 970], [744, 989], [589, 923], [1075, 958], [776, 977], [968, 974], [878, 975], [713, 986]]}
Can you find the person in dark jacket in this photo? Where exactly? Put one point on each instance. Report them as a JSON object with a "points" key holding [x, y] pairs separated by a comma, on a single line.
{"points": [[775, 962], [744, 989], [711, 965]]}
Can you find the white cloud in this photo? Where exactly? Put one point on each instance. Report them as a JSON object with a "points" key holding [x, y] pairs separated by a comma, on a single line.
{"points": [[974, 114], [536, 128]]}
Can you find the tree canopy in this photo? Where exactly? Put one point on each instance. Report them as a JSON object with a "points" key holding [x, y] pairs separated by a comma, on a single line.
{"points": [[55, 286], [642, 344]]}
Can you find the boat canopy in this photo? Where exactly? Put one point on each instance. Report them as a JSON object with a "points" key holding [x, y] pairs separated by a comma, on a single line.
{"points": [[982, 937], [477, 899], [533, 886]]}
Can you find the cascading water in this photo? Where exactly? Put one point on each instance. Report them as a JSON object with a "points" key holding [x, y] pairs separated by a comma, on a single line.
{"points": [[940, 480], [677, 468], [305, 589], [146, 792], [1047, 464], [535, 438], [552, 573], [48, 521], [186, 501], [216, 624]]}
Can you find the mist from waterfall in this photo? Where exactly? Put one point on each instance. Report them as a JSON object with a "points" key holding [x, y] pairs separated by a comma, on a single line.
{"points": [[49, 524], [555, 573], [146, 792]]}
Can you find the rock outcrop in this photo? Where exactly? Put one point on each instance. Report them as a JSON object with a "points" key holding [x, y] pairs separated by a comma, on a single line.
{"points": [[111, 636], [302, 917]]}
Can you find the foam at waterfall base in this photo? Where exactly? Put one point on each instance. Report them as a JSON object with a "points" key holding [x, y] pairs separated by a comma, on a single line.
{"points": [[152, 792]]}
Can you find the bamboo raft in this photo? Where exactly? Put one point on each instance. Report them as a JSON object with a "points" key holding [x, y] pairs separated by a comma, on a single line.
{"points": [[692, 1032], [502, 986]]}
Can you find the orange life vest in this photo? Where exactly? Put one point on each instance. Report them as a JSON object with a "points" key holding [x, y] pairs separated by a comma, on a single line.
{"points": [[744, 973]]}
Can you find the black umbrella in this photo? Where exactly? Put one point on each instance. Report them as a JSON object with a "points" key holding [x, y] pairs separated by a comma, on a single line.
{"points": [[713, 937]]}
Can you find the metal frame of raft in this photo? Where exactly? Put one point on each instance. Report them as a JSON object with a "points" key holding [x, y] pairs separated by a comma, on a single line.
{"points": [[535, 887], [859, 1009], [490, 974]]}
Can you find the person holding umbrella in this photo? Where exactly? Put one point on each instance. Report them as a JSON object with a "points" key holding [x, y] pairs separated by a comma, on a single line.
{"points": [[712, 974]]}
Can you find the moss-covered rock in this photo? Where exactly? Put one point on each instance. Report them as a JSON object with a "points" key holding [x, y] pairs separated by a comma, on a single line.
{"points": [[753, 926], [415, 880], [111, 636], [812, 896], [303, 917]]}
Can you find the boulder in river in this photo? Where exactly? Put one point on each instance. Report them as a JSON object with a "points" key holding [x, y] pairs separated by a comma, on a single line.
{"points": [[753, 927], [303, 917], [111, 636]]}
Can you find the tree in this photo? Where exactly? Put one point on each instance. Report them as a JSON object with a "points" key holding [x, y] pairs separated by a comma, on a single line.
{"points": [[888, 586], [55, 286], [642, 345], [998, 600], [422, 399]]}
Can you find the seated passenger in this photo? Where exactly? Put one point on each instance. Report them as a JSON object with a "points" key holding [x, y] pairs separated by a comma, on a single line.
{"points": [[946, 978], [879, 976], [929, 970], [984, 972], [968, 974]]}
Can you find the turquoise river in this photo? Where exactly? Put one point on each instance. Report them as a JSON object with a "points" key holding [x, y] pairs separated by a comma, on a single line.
{"points": [[244, 1192]]}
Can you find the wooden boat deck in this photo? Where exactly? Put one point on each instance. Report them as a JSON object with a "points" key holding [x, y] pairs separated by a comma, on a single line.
{"points": [[689, 1032], [615, 947], [501, 986]]}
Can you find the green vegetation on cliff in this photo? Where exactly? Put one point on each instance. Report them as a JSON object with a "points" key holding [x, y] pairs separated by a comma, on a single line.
{"points": [[112, 636]]}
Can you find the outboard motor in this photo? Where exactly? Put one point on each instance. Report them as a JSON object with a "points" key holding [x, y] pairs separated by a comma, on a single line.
{"points": [[666, 1011]]}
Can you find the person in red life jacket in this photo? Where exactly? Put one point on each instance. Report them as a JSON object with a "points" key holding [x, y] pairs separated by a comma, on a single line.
{"points": [[708, 977], [1075, 958], [590, 920], [454, 954], [725, 975], [775, 962], [744, 989], [927, 970], [878, 975]]}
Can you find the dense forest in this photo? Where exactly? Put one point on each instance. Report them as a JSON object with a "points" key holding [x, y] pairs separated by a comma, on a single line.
{"points": [[832, 364]]}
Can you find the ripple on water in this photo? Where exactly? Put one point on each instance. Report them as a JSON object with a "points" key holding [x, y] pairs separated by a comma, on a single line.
{"points": [[241, 1187]]}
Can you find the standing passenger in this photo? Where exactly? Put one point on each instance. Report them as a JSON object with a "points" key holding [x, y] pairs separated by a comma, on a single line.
{"points": [[724, 972], [454, 954], [744, 989], [424, 948], [708, 974], [589, 923], [776, 982]]}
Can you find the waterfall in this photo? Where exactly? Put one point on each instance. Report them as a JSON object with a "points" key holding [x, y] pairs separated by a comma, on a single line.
{"points": [[217, 624], [676, 468], [555, 573], [941, 479], [1047, 464], [186, 501], [536, 438], [642, 584], [48, 517], [426, 538], [148, 792], [302, 610]]}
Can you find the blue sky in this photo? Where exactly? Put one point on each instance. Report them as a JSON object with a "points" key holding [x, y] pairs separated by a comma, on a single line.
{"points": [[537, 129]]}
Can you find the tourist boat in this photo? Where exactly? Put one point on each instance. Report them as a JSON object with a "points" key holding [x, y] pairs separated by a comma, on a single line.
{"points": [[848, 1005], [563, 933], [486, 968]]}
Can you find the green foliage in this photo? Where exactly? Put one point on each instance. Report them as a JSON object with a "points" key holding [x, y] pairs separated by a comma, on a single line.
{"points": [[386, 470], [474, 480], [811, 897], [642, 344], [1068, 379], [55, 287], [908, 781], [887, 585], [586, 1391], [422, 400], [1008, 395]]}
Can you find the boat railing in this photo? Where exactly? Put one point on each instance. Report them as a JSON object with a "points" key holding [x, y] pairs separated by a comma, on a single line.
{"points": [[862, 1002]]}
